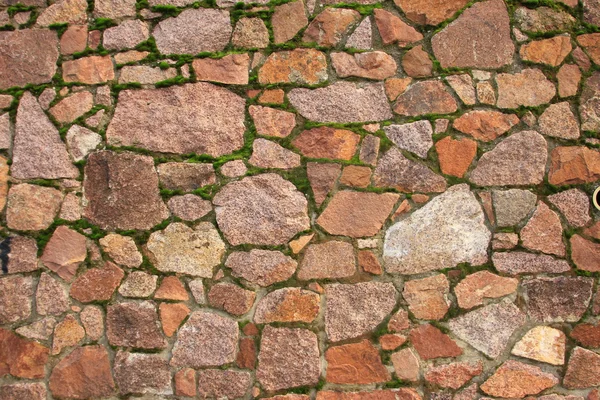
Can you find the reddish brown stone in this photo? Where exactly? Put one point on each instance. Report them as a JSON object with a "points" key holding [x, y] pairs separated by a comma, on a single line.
{"points": [[416, 63], [585, 254], [369, 263], [287, 20], [185, 382], [453, 375], [231, 298], [370, 65], [455, 155], [328, 28], [574, 165], [516, 380], [31, 207], [246, 357], [472, 290], [543, 232], [22, 254], [97, 284], [406, 365], [485, 125], [427, 298], [560, 299], [272, 122], [134, 325], [322, 178], [591, 44], [171, 288], [16, 293], [587, 334], [392, 29], [300, 66], [399, 321], [547, 51], [431, 343], [425, 97], [427, 12], [91, 70], [21, 358], [65, 251], [171, 316], [355, 364], [395, 87], [329, 260], [288, 305], [231, 69], [21, 391], [218, 384], [583, 370], [390, 394], [391, 341], [185, 176], [74, 39], [326, 142]]}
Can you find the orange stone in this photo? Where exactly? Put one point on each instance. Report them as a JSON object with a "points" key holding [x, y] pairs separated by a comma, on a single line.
{"points": [[301, 66], [328, 28], [171, 316], [391, 341], [97, 284], [272, 96], [430, 12], [455, 155], [390, 394], [67, 334], [572, 165], [368, 262], [431, 343], [392, 29], [355, 364], [516, 380], [547, 51], [454, 375], [231, 69], [171, 288], [543, 231], [288, 305], [326, 142], [246, 357], [90, 70], [395, 87], [21, 358], [427, 298], [485, 125], [472, 290], [591, 44], [585, 254], [185, 382], [356, 176]]}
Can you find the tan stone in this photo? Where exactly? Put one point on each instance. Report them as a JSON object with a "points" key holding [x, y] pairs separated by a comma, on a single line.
{"points": [[300, 66], [31, 207], [427, 298], [326, 142], [231, 298], [90, 70], [547, 51], [568, 76], [472, 290], [271, 121], [371, 65], [543, 232], [231, 69], [288, 305], [67, 333], [516, 380], [328, 260], [122, 249], [485, 125], [396, 86], [453, 375], [172, 289], [406, 365], [287, 20], [529, 88], [542, 343], [416, 63], [463, 86]]}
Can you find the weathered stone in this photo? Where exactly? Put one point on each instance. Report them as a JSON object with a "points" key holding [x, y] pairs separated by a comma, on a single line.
{"points": [[431, 343], [272, 122], [356, 176], [583, 370], [92, 319], [84, 373], [515, 379], [185, 176], [74, 40], [134, 325], [27, 56], [172, 289], [573, 165], [396, 171], [145, 75], [505, 241], [425, 97], [297, 245], [246, 357], [138, 284], [287, 305], [21, 358], [328, 260], [355, 364], [193, 118], [479, 38], [437, 245], [287, 20], [392, 29], [326, 142], [455, 155], [371, 65], [472, 290], [328, 28], [529, 88], [189, 207], [585, 254], [31, 207], [231, 69], [51, 296], [194, 31], [543, 232], [518, 262], [288, 358], [543, 19], [574, 204], [559, 121], [90, 70], [262, 209], [590, 43], [21, 254], [362, 37], [268, 154], [97, 284], [527, 149], [430, 13], [322, 178], [142, 373], [70, 209], [463, 86], [543, 344], [406, 365], [262, 267], [233, 169], [121, 190], [214, 383], [587, 335], [67, 333], [353, 310], [122, 249], [72, 107], [357, 214], [114, 9], [485, 125], [396, 86], [231, 298], [342, 102], [427, 298], [368, 262], [38, 151], [5, 131], [197, 288], [129, 57], [453, 375], [250, 33], [185, 382], [560, 299], [488, 329], [300, 66], [416, 63], [547, 51], [65, 251], [369, 150], [125, 35], [19, 391], [16, 292], [415, 137], [81, 141], [512, 205], [390, 341]]}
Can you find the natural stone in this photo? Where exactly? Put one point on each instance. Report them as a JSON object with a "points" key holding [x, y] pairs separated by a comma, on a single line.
{"points": [[189, 207], [22, 254], [485, 125], [406, 365], [329, 260], [185, 382], [65, 251], [287, 20], [145, 75], [391, 341], [214, 383], [356, 176], [89, 70], [430, 13], [486, 93], [415, 137], [138, 284], [416, 63], [392, 29], [185, 176], [585, 254], [67, 333], [559, 299], [431, 343], [114, 8], [355, 364], [543, 19], [583, 370], [72, 107], [300, 66], [51, 297], [125, 35], [559, 121], [16, 292], [18, 391], [512, 205], [542, 343], [131, 324], [471, 291], [425, 97], [31, 207], [81, 141], [171, 288], [362, 37], [371, 65], [427, 298], [573, 165], [529, 88], [287, 305], [74, 40], [455, 155], [122, 249], [231, 69], [262, 267], [272, 122], [543, 232], [235, 168], [322, 178], [519, 262], [453, 375], [505, 241], [547, 51], [463, 86], [142, 373], [396, 171], [396, 86], [368, 262], [97, 284], [328, 28], [590, 44], [574, 204], [92, 319], [369, 149], [326, 142], [231, 298], [250, 33], [268, 154]]}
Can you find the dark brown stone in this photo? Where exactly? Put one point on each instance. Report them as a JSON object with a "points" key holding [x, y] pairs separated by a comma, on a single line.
{"points": [[134, 325]]}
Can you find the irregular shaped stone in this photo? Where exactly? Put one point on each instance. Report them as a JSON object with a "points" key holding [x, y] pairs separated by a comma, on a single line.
{"points": [[250, 33], [512, 205], [5, 131], [38, 151], [517, 380], [21, 358], [97, 284], [438, 245], [194, 31], [463, 86], [453, 375], [288, 358], [543, 232], [587, 335], [585, 254], [145, 75], [505, 241], [396, 171], [272, 122], [142, 373], [300, 66], [262, 209], [353, 310], [287, 20], [92, 318], [371, 65], [427, 298], [72, 107], [488, 329], [362, 102], [415, 137], [16, 292], [568, 76], [138, 284], [543, 344], [355, 364], [471, 291], [262, 267], [416, 63], [231, 69], [529, 88], [51, 297], [558, 121], [519, 262], [21, 254], [392, 29], [573, 165], [362, 37], [322, 178], [81, 141], [31, 207], [214, 383], [121, 190], [39, 330], [574, 204], [425, 97], [326, 142], [478, 38], [287, 305], [189, 207], [18, 391], [126, 35], [131, 324], [396, 86], [328, 260], [185, 176], [185, 382], [485, 125], [235, 168], [328, 28], [130, 57], [527, 149], [89, 70], [268, 154], [74, 40], [368, 262], [455, 155], [34, 66], [431, 343], [231, 298], [583, 370], [84, 373], [430, 12], [543, 19], [193, 118], [406, 365], [547, 51], [122, 249], [560, 299], [67, 333], [65, 251], [357, 214]]}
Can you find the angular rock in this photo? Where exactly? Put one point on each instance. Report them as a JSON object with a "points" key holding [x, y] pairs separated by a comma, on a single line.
{"points": [[193, 118], [262, 267], [145, 75], [512, 205], [328, 260], [114, 8], [142, 373], [231, 298], [543, 232], [138, 284], [519, 262], [425, 97], [288, 358], [214, 383], [287, 20], [463, 86], [415, 137], [355, 364], [126, 35], [268, 154], [471, 291], [231, 69], [74, 40], [427, 298], [262, 209], [97, 284], [31, 207], [543, 344], [558, 121], [392, 29], [529, 88], [72, 107], [587, 335], [543, 19], [416, 63], [431, 343], [428, 12], [485, 125], [585, 254], [455, 155], [573, 165], [574, 204], [437, 244], [92, 318], [479, 38], [171, 288], [560, 299], [121, 190], [89, 70], [194, 31], [51, 297], [342, 102], [371, 65], [272, 122], [326, 142], [322, 178], [406, 365], [18, 391], [368, 262], [328, 28], [299, 66], [362, 37], [21, 254], [185, 176], [515, 379], [453, 375], [122, 249], [185, 382], [250, 33], [568, 76], [488, 329], [583, 370], [505, 241], [547, 51], [65, 251], [353, 310], [21, 358], [67, 333], [357, 214], [288, 305], [369, 149], [16, 292], [131, 324], [81, 141], [527, 149], [356, 176], [590, 44], [189, 207]]}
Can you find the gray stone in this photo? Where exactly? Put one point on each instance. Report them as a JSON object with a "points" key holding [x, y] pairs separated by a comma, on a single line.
{"points": [[529, 88], [362, 37], [414, 137], [560, 299], [81, 141], [5, 132], [262, 267], [513, 205], [589, 103], [16, 293], [520, 262]]}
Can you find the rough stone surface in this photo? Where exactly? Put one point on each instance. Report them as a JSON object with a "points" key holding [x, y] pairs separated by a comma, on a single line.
{"points": [[543, 232], [392, 29], [81, 141], [135, 325], [543, 19], [185, 176], [325, 142], [122, 249], [262, 267], [475, 288], [328, 260], [31, 207], [142, 373], [485, 125], [267, 154], [250, 33], [138, 284], [231, 298], [301, 66], [356, 364], [425, 97], [15, 296], [272, 122], [287, 305], [573, 165], [431, 343], [370, 65], [214, 383], [89, 70], [231, 69], [529, 88], [406, 365], [543, 344], [455, 155], [396, 171], [547, 51], [329, 26], [430, 12], [515, 379], [583, 370], [589, 108], [559, 121], [548, 300], [453, 375], [51, 297], [22, 254], [65, 251], [415, 137], [520, 262], [512, 205], [427, 298], [125, 35], [72, 107]]}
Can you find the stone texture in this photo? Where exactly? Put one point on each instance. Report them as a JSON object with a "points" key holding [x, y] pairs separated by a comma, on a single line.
{"points": [[406, 365], [355, 364], [543, 344], [65, 251], [287, 305], [250, 33], [543, 19], [288, 358], [92, 319], [262, 267], [416, 63], [463, 86], [455, 155], [574, 204], [287, 20], [415, 137], [67, 333], [516, 380], [573, 165], [16, 292], [21, 358], [427, 298], [529, 88], [267, 154], [475, 288], [355, 309], [185, 176], [488, 329], [329, 260], [214, 383], [559, 299], [142, 373], [231, 298], [322, 178], [512, 205], [519, 262], [528, 149], [18, 391], [145, 75], [231, 69], [72, 107], [131, 324], [114, 8], [300, 66], [51, 297], [121, 190], [97, 284], [138, 284], [437, 244], [122, 249], [268, 198], [485, 125], [371, 65], [425, 97], [431, 343], [362, 37], [194, 118], [583, 370], [189, 207], [559, 121], [125, 35], [356, 176], [89, 70], [479, 38], [74, 40], [22, 254], [569, 77], [585, 254], [81, 141], [356, 214], [328, 28], [185, 382], [430, 12], [272, 122], [36, 65], [590, 44], [326, 142], [31, 207], [453, 375], [547, 51], [543, 232], [392, 29]]}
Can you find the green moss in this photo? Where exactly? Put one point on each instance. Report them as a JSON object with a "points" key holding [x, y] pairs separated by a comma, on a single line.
{"points": [[17, 8], [166, 10], [178, 80], [102, 23], [59, 28]]}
